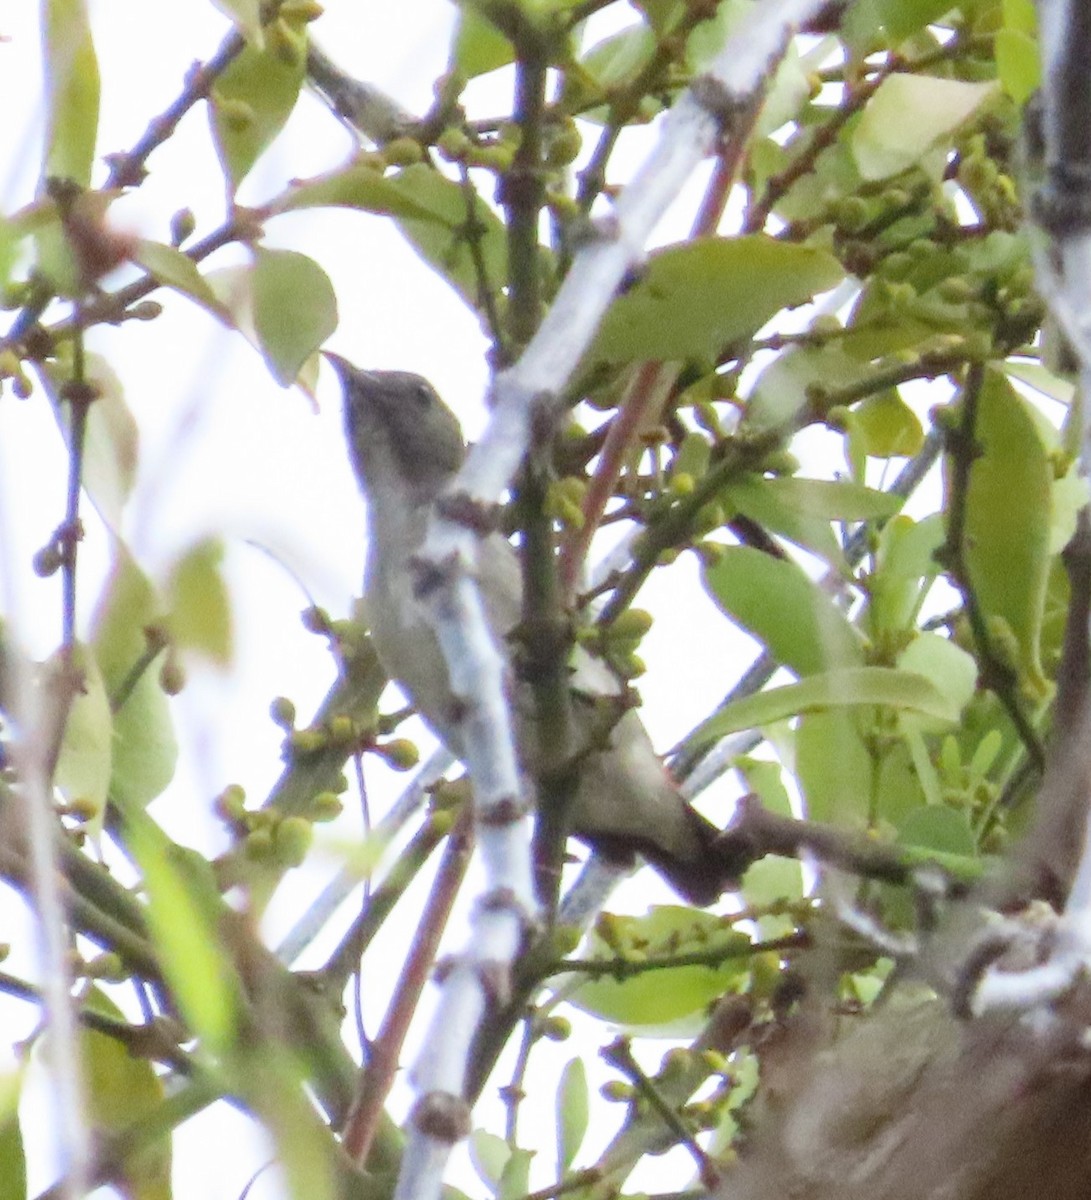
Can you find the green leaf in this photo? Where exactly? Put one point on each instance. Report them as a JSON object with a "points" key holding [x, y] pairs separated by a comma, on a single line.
{"points": [[178, 271], [200, 610], [122, 1090], [252, 100], [1018, 64], [13, 1164], [489, 1155], [669, 1000], [905, 565], [515, 1181], [938, 828], [696, 298], [949, 667], [784, 609], [847, 687], [144, 747], [1008, 517], [443, 236], [616, 60], [295, 309], [72, 91], [751, 497], [834, 499], [907, 116], [905, 17], [183, 910], [479, 47], [84, 765], [363, 186], [886, 426], [111, 437], [834, 766], [573, 1112]]}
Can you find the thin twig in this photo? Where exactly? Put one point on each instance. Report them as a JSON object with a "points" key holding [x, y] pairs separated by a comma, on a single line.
{"points": [[127, 170], [377, 1078]]}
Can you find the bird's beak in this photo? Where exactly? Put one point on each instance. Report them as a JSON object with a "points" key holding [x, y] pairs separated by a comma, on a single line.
{"points": [[341, 365]]}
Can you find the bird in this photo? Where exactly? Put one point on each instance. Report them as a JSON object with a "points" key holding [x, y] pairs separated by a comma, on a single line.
{"points": [[405, 446]]}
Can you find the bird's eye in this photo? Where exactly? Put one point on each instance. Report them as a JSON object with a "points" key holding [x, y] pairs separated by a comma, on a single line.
{"points": [[421, 396]]}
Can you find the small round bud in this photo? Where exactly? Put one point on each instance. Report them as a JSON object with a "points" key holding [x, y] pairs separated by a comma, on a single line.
{"points": [[316, 620], [453, 145], [617, 1090], [107, 966], [230, 804], [556, 1029], [632, 623], [956, 290], [282, 711], [145, 310], [827, 325], [341, 731], [172, 675], [850, 214], [293, 837], [326, 806], [710, 553], [258, 845], [237, 115], [403, 152], [48, 561], [564, 146], [682, 483], [83, 809], [302, 742], [303, 11], [288, 44], [710, 517], [400, 753], [182, 225]]}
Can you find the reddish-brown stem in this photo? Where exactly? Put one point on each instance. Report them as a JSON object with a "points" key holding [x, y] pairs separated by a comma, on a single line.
{"points": [[377, 1077], [649, 382]]}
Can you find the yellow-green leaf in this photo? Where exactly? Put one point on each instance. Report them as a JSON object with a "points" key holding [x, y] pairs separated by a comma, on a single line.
{"points": [[886, 426], [1009, 506], [907, 116], [253, 99], [848, 687], [72, 91], [200, 609], [785, 610], [85, 761], [111, 437], [177, 270], [670, 1000], [122, 1090], [144, 747], [696, 298], [183, 901], [295, 309], [572, 1113]]}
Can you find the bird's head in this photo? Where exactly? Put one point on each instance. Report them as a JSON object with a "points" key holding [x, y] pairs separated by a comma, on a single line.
{"points": [[401, 436]]}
